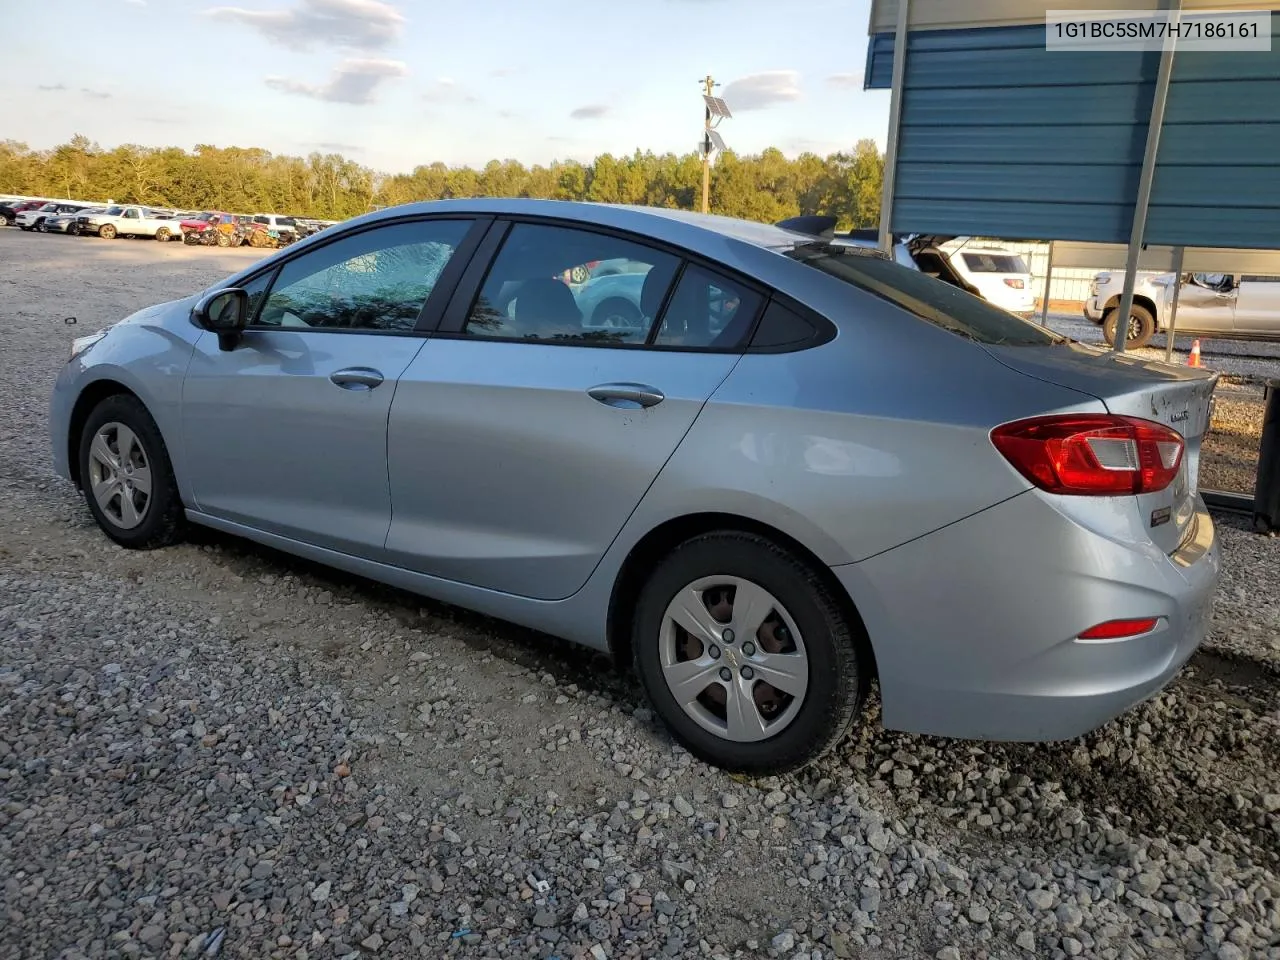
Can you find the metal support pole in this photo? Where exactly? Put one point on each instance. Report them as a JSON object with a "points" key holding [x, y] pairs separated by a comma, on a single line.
{"points": [[1266, 491], [1154, 129], [895, 123], [1048, 275], [1173, 306]]}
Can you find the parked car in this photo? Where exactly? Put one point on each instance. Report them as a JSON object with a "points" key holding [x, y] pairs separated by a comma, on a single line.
{"points": [[847, 470], [9, 212], [286, 228], [1001, 276], [1227, 306], [129, 221], [69, 223], [210, 228], [34, 218]]}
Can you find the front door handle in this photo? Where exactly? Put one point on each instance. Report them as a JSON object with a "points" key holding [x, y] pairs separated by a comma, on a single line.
{"points": [[356, 378], [626, 395]]}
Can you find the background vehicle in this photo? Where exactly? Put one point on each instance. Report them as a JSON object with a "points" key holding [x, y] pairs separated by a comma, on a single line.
{"points": [[129, 221], [34, 218], [808, 465], [286, 228], [1223, 306], [69, 223], [1001, 276], [9, 212], [211, 228]]}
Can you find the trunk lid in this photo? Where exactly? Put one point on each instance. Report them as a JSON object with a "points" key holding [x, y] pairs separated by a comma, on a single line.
{"points": [[1178, 397]]}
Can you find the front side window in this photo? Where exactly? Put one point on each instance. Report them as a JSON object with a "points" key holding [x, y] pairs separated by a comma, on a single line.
{"points": [[377, 279], [131, 214], [542, 287]]}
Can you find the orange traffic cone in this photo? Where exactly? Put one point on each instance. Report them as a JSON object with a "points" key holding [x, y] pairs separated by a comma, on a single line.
{"points": [[1194, 359]]}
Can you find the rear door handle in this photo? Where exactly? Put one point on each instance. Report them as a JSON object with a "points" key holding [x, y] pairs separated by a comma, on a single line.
{"points": [[356, 378], [626, 395]]}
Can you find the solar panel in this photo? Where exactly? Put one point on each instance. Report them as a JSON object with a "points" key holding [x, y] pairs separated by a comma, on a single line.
{"points": [[717, 141], [717, 106]]}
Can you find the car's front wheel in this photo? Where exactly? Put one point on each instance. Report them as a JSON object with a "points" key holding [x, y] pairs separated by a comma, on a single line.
{"points": [[108, 232], [126, 475], [747, 655], [163, 234]]}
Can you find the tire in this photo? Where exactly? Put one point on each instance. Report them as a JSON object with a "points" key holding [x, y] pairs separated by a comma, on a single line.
{"points": [[189, 239], [40, 225], [5, 221], [835, 680], [107, 232], [73, 229], [616, 314], [160, 520], [1142, 326], [223, 240], [162, 235]]}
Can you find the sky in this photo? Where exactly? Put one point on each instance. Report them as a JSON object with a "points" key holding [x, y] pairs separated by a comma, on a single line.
{"points": [[397, 83]]}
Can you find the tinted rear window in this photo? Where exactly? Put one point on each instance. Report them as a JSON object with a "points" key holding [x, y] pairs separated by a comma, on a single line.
{"points": [[994, 263], [930, 299]]}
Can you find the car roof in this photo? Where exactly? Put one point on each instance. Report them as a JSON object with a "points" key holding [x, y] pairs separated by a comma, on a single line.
{"points": [[680, 227]]}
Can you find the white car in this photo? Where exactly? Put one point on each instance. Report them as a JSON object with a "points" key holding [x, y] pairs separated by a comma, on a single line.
{"points": [[34, 219], [1002, 276], [1224, 306]]}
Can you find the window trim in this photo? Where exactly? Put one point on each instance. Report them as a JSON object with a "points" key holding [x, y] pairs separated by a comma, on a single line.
{"points": [[432, 310], [824, 329], [452, 326]]}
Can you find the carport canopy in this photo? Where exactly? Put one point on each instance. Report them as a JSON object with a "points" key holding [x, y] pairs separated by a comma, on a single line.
{"points": [[999, 137]]}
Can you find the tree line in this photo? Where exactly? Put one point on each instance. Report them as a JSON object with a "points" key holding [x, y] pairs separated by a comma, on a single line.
{"points": [[766, 187]]}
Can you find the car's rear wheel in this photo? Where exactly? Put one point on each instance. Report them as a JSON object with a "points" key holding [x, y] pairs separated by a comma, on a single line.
{"points": [[1142, 326], [746, 655], [108, 232], [126, 476], [163, 234]]}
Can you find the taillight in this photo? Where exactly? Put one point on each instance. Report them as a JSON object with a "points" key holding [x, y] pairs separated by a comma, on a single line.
{"points": [[1092, 454], [1016, 284]]}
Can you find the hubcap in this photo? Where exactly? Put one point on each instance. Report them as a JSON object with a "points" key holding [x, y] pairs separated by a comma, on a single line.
{"points": [[120, 475], [742, 693]]}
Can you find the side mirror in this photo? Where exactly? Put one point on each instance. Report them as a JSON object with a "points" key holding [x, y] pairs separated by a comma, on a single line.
{"points": [[225, 312]]}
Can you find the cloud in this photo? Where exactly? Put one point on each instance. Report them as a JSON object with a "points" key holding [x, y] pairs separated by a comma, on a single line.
{"points": [[447, 90], [845, 80], [347, 24], [136, 3], [592, 111], [758, 91], [96, 94], [339, 147], [52, 87], [353, 81]]}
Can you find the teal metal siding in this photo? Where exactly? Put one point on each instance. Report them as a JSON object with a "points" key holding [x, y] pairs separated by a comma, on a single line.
{"points": [[1003, 138]]}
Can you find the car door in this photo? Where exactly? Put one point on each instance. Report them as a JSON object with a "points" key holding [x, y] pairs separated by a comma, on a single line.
{"points": [[525, 434], [1207, 305], [287, 432], [1258, 306]]}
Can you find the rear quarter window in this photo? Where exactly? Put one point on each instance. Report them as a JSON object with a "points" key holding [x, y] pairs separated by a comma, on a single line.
{"points": [[932, 300], [994, 263]]}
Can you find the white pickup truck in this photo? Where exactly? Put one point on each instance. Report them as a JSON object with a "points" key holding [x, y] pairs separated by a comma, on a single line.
{"points": [[131, 221]]}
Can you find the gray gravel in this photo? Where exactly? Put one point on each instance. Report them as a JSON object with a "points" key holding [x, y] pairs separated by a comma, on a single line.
{"points": [[218, 747]]}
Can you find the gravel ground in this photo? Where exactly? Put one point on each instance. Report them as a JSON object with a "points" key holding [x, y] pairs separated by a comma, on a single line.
{"points": [[218, 749]]}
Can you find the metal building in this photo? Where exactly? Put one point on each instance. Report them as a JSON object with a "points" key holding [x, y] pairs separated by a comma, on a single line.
{"points": [[999, 137]]}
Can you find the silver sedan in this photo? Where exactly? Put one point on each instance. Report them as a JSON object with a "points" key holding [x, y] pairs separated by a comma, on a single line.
{"points": [[801, 469]]}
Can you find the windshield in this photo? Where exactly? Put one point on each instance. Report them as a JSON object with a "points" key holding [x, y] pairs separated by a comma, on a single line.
{"points": [[48, 207], [919, 294], [995, 263], [114, 211]]}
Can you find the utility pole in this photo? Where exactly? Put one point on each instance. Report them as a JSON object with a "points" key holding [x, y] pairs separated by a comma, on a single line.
{"points": [[706, 147]]}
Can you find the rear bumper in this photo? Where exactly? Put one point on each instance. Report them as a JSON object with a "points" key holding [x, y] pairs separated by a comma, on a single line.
{"points": [[974, 626]]}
